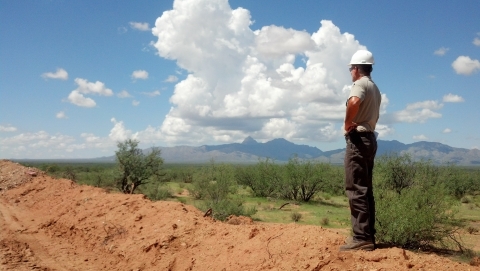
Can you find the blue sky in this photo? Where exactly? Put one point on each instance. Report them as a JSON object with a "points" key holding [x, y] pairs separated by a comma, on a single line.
{"points": [[79, 76]]}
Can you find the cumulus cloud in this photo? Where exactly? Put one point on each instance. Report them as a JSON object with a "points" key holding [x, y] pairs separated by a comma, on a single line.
{"points": [[8, 128], [124, 94], [77, 96], [61, 115], [418, 112], [135, 103], [171, 79], [420, 137], [476, 41], [59, 74], [441, 51], [464, 65], [140, 74], [152, 94], [119, 132], [447, 131], [451, 98], [139, 26], [26, 143], [243, 81]]}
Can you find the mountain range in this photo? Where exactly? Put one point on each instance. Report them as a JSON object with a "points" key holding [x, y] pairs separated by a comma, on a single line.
{"points": [[280, 150]]}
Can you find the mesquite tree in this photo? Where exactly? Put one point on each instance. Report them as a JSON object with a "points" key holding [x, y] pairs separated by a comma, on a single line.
{"points": [[136, 168]]}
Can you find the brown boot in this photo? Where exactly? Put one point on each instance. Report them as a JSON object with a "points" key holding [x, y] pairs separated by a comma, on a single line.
{"points": [[353, 244]]}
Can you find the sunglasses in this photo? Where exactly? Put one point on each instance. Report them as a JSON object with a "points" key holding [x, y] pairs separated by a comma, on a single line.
{"points": [[351, 68]]}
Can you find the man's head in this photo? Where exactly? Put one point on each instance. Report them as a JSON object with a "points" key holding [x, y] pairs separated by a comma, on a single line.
{"points": [[361, 64]]}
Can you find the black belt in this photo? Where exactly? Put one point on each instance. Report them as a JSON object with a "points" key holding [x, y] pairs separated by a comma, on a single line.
{"points": [[355, 132]]}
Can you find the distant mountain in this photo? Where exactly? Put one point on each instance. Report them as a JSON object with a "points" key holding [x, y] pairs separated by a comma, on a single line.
{"points": [[280, 150]]}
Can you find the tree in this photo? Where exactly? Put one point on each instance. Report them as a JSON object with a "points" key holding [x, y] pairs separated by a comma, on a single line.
{"points": [[135, 167]]}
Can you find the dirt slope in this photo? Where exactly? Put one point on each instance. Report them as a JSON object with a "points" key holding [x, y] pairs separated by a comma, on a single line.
{"points": [[51, 224]]}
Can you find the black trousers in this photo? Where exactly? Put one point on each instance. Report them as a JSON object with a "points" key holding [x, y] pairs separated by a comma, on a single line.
{"points": [[359, 161]]}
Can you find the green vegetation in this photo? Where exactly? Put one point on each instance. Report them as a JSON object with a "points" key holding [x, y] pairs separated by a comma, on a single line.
{"points": [[134, 167], [419, 205]]}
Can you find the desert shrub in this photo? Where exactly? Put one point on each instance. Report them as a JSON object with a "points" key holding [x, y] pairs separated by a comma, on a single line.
{"points": [[296, 216], [103, 179], [460, 181], [214, 182], [222, 209], [157, 191], [216, 185], [264, 178], [472, 230], [324, 221], [412, 209], [69, 173], [136, 168], [304, 179]]}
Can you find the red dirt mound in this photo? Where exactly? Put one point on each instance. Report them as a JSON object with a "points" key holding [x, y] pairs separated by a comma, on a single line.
{"points": [[55, 224]]}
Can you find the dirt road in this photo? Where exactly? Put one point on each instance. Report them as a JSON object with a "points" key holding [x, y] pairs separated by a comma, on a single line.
{"points": [[55, 224]]}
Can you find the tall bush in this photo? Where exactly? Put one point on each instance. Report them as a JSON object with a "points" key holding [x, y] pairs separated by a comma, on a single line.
{"points": [[135, 167], [264, 179], [304, 179], [413, 209]]}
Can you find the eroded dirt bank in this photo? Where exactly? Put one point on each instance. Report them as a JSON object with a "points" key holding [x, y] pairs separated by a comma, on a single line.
{"points": [[55, 224]]}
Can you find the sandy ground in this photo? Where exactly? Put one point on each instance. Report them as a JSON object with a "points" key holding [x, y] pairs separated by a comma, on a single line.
{"points": [[55, 224]]}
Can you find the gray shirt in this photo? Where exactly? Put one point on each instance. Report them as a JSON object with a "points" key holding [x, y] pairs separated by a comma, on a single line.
{"points": [[369, 111]]}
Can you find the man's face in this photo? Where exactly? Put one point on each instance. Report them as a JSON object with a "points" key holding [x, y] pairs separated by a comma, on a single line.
{"points": [[354, 73]]}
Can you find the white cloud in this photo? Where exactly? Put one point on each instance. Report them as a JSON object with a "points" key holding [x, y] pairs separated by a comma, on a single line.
{"points": [[61, 115], [418, 112], [441, 51], [451, 98], [32, 145], [384, 130], [77, 96], [140, 74], [476, 41], [465, 65], [139, 26], [59, 74], [420, 137], [135, 103], [124, 94], [119, 132], [8, 128], [447, 131], [152, 94], [98, 87], [171, 79], [245, 82]]}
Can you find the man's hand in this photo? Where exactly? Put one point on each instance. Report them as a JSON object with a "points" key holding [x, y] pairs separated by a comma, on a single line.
{"points": [[349, 126]]}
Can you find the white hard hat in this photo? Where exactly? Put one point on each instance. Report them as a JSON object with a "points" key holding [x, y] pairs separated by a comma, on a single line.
{"points": [[362, 57]]}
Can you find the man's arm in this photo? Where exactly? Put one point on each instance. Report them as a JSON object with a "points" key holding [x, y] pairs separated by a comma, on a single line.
{"points": [[353, 105]]}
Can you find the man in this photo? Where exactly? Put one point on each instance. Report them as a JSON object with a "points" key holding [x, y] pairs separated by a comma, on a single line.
{"points": [[362, 113]]}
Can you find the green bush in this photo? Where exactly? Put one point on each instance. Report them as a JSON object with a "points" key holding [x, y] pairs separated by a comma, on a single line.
{"points": [[296, 216], [304, 179], [135, 167], [413, 209], [216, 185], [222, 209], [264, 178]]}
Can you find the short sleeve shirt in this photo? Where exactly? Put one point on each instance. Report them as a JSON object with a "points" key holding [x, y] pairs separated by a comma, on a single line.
{"points": [[369, 111]]}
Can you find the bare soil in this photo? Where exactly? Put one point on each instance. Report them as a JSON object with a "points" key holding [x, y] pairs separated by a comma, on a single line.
{"points": [[55, 224]]}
